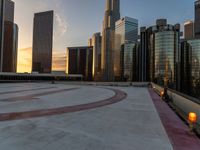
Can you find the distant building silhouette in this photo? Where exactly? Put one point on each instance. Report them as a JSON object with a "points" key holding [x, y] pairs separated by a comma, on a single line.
{"points": [[42, 42]]}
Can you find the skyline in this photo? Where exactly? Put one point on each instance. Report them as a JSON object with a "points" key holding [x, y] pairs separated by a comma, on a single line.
{"points": [[86, 69], [68, 26]]}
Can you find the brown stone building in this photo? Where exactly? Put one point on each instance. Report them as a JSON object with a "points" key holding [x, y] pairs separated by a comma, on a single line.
{"points": [[80, 62]]}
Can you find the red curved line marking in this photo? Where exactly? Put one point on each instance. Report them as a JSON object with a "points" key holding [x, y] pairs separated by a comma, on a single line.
{"points": [[33, 96], [19, 91], [119, 96]]}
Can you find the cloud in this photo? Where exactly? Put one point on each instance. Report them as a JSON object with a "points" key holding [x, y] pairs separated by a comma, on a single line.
{"points": [[60, 22], [61, 25]]}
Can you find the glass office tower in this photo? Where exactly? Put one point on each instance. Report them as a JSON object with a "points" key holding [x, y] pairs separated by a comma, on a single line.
{"points": [[165, 52], [9, 7], [1, 33], [127, 29], [185, 68], [195, 66], [197, 19], [161, 46], [128, 61], [126, 32], [10, 47], [42, 42], [144, 54], [8, 38]]}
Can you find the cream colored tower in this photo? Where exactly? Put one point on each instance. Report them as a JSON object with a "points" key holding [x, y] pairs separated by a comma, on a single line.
{"points": [[112, 14]]}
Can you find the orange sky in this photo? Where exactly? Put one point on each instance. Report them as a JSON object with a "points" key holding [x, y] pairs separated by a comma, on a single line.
{"points": [[25, 61]]}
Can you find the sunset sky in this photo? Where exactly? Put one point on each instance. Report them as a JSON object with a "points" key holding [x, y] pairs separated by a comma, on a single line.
{"points": [[76, 20]]}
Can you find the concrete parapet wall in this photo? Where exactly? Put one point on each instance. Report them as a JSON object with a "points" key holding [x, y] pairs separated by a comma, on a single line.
{"points": [[183, 103], [135, 84]]}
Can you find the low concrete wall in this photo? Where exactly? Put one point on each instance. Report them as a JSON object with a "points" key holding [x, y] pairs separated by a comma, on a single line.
{"points": [[135, 84], [185, 104]]}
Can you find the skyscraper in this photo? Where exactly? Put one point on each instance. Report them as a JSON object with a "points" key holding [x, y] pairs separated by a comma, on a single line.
{"points": [[112, 14], [9, 37], [195, 67], [1, 32], [10, 47], [185, 68], [197, 19], [96, 44], [42, 42], [127, 29], [9, 10], [129, 62], [189, 30], [126, 32], [160, 44], [144, 55], [80, 61]]}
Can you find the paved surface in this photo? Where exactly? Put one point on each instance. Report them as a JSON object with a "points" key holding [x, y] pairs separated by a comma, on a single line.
{"points": [[110, 118]]}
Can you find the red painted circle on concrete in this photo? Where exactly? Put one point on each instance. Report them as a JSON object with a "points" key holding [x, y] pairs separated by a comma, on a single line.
{"points": [[119, 96]]}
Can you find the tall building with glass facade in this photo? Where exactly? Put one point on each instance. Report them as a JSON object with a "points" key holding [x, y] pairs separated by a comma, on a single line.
{"points": [[112, 14], [127, 29], [129, 61], [1, 32], [189, 30], [195, 66], [144, 55], [197, 19], [42, 42], [9, 37], [9, 10], [10, 47], [162, 45], [80, 61], [126, 32], [185, 68]]}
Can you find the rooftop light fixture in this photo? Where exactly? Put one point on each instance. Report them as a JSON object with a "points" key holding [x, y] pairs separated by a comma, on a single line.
{"points": [[192, 119]]}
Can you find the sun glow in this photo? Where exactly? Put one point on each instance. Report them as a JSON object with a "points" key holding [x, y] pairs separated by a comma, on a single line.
{"points": [[25, 61]]}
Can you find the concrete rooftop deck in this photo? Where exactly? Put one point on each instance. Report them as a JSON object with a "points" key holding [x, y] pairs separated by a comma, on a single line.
{"points": [[46, 116]]}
